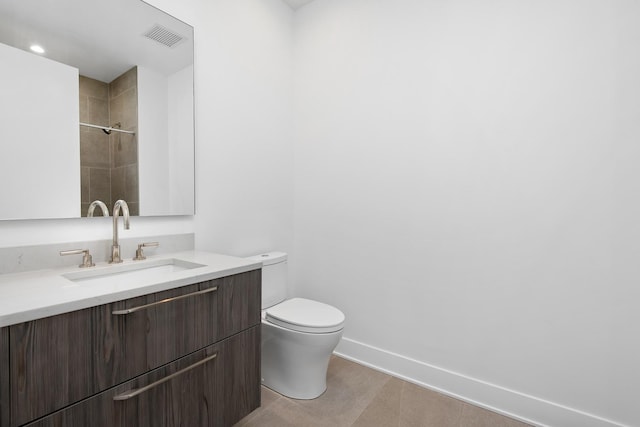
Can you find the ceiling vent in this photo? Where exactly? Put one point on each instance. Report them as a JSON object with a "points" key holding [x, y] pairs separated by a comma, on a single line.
{"points": [[163, 36]]}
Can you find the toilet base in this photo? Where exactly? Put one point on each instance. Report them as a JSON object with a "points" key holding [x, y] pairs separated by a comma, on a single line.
{"points": [[294, 363]]}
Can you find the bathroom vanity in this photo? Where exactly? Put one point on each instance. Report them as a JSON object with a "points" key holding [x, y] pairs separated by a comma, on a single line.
{"points": [[180, 348]]}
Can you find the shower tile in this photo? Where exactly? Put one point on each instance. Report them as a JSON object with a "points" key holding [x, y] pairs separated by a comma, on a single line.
{"points": [[84, 185], [123, 82], [112, 157], [100, 185], [98, 111], [84, 108], [117, 183], [124, 109], [94, 148], [93, 88], [134, 208], [121, 188], [116, 109], [131, 182], [125, 149], [129, 108]]}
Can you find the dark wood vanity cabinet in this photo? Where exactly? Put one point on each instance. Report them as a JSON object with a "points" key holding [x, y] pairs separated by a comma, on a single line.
{"points": [[193, 350], [4, 377]]}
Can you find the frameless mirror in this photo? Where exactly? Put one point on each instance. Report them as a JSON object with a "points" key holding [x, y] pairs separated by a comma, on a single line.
{"points": [[103, 111]]}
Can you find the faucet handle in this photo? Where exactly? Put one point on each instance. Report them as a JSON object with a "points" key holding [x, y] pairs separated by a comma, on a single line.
{"points": [[140, 253], [87, 259]]}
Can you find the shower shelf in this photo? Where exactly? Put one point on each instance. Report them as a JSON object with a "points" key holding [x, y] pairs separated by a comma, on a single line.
{"points": [[107, 128]]}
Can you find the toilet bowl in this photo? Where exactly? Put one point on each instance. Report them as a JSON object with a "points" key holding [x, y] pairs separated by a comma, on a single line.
{"points": [[298, 335]]}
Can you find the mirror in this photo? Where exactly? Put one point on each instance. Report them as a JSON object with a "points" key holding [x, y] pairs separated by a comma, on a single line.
{"points": [[105, 113]]}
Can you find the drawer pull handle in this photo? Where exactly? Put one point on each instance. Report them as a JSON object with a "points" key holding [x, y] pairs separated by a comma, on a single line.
{"points": [[164, 301], [133, 393]]}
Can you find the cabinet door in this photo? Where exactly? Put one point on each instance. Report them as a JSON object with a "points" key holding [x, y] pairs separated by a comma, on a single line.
{"points": [[50, 364], [4, 377], [191, 392], [240, 303], [62, 359], [242, 379]]}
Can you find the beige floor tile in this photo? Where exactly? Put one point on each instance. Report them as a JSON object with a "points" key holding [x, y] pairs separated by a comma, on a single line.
{"points": [[420, 407], [384, 409], [361, 397], [350, 389], [267, 397], [281, 413], [473, 416]]}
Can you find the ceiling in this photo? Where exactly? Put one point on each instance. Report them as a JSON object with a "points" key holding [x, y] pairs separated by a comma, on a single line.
{"points": [[71, 33], [296, 4], [101, 39]]}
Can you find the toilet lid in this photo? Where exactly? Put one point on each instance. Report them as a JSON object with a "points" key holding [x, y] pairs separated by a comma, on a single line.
{"points": [[305, 315]]}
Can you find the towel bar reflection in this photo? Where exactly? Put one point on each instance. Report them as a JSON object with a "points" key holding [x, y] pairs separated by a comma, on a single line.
{"points": [[107, 128]]}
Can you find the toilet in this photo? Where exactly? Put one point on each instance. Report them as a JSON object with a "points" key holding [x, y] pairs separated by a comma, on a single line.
{"points": [[298, 334]]}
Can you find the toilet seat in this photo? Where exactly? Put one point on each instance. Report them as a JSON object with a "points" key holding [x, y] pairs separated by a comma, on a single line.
{"points": [[303, 315]]}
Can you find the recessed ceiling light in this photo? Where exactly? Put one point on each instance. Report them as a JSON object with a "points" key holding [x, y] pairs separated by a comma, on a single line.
{"points": [[37, 49]]}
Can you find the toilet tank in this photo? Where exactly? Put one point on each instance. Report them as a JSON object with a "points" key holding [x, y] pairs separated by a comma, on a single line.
{"points": [[274, 277]]}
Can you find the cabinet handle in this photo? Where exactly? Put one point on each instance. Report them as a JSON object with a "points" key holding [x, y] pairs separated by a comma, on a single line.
{"points": [[164, 301], [133, 393]]}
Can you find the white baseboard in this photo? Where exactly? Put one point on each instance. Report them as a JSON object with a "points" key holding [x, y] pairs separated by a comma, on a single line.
{"points": [[528, 409]]}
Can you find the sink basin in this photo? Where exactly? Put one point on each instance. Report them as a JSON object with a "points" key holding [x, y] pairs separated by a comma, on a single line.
{"points": [[131, 273]]}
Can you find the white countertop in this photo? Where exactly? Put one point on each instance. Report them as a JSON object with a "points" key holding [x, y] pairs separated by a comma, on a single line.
{"points": [[36, 294]]}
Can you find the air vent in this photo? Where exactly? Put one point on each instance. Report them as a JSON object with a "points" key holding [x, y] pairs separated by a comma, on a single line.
{"points": [[163, 36]]}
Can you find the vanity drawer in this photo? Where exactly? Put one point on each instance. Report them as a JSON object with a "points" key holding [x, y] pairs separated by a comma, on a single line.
{"points": [[4, 377], [197, 391], [62, 359]]}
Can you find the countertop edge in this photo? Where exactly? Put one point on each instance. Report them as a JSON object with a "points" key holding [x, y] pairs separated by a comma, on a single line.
{"points": [[40, 311]]}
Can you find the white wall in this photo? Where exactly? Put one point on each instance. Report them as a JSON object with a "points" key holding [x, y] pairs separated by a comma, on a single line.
{"points": [[466, 191], [465, 185], [39, 136], [166, 152], [153, 142], [244, 154], [181, 138], [244, 149]]}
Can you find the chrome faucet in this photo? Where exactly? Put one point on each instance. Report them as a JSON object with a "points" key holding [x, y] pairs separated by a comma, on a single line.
{"points": [[115, 247], [103, 207]]}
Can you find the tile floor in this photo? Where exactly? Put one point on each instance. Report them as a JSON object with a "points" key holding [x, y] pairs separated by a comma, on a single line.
{"points": [[362, 397]]}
